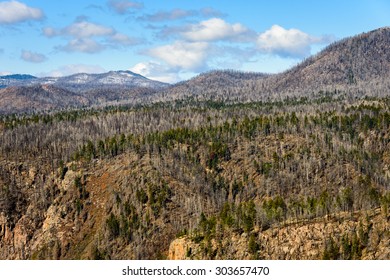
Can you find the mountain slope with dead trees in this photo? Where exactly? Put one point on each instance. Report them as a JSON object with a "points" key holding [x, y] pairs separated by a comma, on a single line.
{"points": [[298, 177]]}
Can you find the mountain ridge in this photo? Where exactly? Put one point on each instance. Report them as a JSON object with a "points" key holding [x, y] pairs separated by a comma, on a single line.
{"points": [[22, 93], [120, 78], [357, 66]]}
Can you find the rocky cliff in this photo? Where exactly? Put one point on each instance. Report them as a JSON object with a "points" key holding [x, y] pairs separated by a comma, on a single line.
{"points": [[360, 235]]}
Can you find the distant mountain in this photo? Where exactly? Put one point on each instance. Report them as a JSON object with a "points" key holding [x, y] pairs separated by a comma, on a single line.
{"points": [[113, 79], [48, 97], [85, 82], [15, 79], [18, 77], [222, 85], [25, 93]]}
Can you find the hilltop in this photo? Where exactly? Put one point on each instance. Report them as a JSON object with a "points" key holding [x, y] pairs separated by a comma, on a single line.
{"points": [[355, 62]]}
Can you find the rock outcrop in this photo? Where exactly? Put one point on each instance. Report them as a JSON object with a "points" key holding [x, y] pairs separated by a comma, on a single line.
{"points": [[304, 240]]}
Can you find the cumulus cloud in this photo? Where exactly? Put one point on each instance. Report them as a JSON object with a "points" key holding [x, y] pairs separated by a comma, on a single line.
{"points": [[73, 69], [32, 57], [213, 30], [287, 42], [123, 6], [156, 71], [86, 29], [183, 55], [14, 12], [206, 44], [89, 37]]}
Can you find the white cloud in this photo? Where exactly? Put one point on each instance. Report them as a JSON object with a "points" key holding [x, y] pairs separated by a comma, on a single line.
{"points": [[73, 69], [85, 45], [14, 12], [156, 71], [86, 29], [82, 29], [32, 57], [287, 42], [183, 55], [205, 45], [213, 30], [123, 6], [88, 37]]}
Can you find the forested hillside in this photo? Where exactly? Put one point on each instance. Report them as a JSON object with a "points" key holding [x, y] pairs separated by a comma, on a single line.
{"points": [[214, 172]]}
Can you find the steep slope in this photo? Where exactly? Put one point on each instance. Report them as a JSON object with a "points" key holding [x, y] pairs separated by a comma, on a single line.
{"points": [[357, 61]]}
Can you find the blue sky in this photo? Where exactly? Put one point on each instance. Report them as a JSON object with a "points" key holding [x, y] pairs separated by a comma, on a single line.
{"points": [[174, 40]]}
